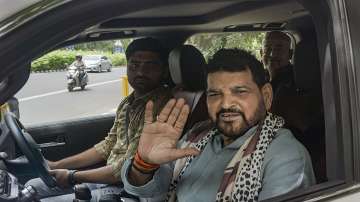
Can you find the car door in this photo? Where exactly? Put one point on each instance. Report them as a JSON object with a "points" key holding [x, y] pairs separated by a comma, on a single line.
{"points": [[65, 138], [103, 63], [106, 63]]}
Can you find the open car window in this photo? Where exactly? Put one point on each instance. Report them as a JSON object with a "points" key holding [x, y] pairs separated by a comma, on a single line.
{"points": [[46, 97]]}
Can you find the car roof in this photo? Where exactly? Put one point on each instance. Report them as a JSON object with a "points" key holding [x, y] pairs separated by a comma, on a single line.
{"points": [[174, 16], [187, 18], [53, 24]]}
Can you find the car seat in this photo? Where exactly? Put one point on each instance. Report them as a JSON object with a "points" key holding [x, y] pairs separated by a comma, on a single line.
{"points": [[187, 70]]}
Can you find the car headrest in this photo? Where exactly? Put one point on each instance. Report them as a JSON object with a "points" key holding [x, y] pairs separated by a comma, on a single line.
{"points": [[187, 68]]}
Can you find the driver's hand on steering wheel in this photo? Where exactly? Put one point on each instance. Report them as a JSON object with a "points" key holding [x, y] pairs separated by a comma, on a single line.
{"points": [[52, 164], [62, 177]]}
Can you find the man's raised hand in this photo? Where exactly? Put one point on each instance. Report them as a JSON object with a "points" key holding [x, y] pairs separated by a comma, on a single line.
{"points": [[159, 137]]}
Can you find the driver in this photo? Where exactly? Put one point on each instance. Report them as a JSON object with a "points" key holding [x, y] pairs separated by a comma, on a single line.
{"points": [[146, 69]]}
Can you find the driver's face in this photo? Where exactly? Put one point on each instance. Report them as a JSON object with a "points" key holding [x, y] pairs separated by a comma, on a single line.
{"points": [[145, 71]]}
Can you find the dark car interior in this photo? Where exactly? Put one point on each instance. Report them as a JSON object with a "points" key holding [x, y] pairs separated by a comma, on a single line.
{"points": [[172, 22]]}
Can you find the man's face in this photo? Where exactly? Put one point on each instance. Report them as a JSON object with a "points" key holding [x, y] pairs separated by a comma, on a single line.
{"points": [[276, 51], [144, 71], [235, 102]]}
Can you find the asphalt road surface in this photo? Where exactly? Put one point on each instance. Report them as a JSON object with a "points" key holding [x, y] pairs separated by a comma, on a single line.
{"points": [[44, 98]]}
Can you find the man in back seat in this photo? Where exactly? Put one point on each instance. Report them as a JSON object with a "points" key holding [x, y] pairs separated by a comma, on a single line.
{"points": [[276, 54]]}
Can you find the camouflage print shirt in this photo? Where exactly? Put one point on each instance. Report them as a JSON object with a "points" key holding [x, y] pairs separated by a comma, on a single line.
{"points": [[119, 144]]}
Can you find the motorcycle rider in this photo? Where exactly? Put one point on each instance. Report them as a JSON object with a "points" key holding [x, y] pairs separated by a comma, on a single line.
{"points": [[80, 66]]}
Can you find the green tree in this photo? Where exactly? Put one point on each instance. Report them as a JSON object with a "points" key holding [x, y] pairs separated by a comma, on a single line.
{"points": [[210, 43], [106, 46], [126, 42]]}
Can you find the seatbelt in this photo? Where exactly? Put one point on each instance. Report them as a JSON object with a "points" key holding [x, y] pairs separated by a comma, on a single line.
{"points": [[196, 99]]}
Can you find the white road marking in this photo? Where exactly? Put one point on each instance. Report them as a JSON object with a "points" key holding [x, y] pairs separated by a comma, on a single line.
{"points": [[64, 91]]}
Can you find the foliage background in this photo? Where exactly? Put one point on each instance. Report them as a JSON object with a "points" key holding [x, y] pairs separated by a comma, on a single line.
{"points": [[60, 59], [208, 44]]}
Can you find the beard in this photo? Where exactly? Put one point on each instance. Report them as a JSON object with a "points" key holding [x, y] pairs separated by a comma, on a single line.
{"points": [[235, 129]]}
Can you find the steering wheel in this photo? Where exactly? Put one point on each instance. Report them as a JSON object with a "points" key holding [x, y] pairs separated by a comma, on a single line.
{"points": [[30, 149]]}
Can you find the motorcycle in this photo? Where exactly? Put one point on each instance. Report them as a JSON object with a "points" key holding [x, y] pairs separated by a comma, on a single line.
{"points": [[76, 77]]}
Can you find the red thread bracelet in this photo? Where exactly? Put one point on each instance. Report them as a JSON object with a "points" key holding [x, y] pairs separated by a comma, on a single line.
{"points": [[139, 163]]}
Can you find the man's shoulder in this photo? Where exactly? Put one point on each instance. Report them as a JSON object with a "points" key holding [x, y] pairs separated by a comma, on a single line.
{"points": [[285, 138], [122, 106], [285, 144]]}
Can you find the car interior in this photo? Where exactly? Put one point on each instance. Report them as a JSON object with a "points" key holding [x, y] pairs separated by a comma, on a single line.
{"points": [[56, 25]]}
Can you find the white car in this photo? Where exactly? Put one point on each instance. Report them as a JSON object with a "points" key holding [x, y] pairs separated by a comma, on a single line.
{"points": [[97, 63]]}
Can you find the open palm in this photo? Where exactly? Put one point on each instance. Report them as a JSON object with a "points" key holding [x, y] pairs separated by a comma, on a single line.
{"points": [[159, 138]]}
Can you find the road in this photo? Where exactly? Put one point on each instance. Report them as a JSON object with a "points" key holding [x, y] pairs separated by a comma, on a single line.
{"points": [[44, 98]]}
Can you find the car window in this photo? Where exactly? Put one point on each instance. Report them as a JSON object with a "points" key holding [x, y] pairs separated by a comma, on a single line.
{"points": [[46, 97]]}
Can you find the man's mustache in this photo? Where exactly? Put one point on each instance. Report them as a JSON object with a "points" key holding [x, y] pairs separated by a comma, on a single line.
{"points": [[232, 110]]}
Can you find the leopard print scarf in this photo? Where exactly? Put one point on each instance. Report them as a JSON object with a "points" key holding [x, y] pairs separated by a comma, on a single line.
{"points": [[242, 177]]}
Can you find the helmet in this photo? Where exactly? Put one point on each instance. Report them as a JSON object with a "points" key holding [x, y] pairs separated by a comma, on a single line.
{"points": [[78, 57]]}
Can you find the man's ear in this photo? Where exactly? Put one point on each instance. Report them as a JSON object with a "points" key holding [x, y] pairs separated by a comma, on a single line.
{"points": [[267, 94]]}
